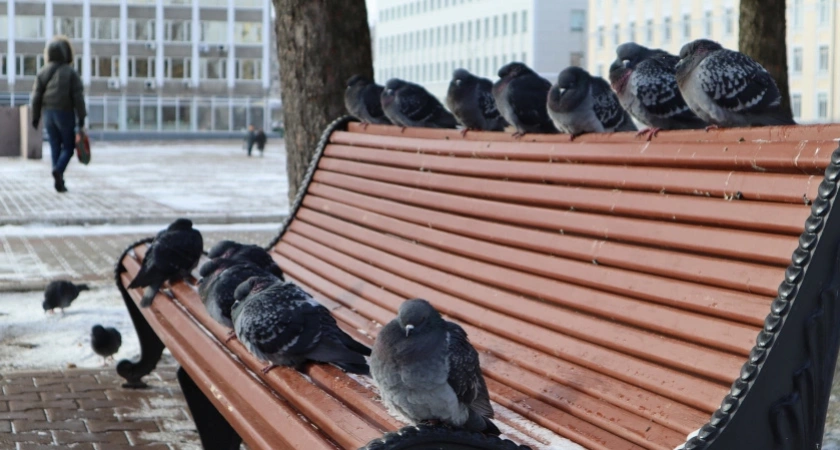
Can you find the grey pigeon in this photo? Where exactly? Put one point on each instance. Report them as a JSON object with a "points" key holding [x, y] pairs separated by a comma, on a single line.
{"points": [[280, 323], [60, 294], [470, 98], [246, 252], [410, 105], [580, 103], [647, 88], [728, 88], [427, 370], [171, 257], [219, 279], [362, 100], [520, 96], [105, 341]]}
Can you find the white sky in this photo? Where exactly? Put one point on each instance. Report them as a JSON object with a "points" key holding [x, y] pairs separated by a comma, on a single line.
{"points": [[371, 10]]}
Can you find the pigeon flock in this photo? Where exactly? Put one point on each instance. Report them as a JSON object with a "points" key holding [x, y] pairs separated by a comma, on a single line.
{"points": [[706, 86]]}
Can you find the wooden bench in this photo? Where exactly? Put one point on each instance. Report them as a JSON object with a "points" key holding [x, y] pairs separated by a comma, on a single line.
{"points": [[623, 294]]}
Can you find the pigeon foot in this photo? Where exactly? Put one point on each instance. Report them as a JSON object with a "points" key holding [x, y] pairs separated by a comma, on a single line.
{"points": [[650, 132], [267, 368], [518, 135], [230, 335], [365, 125], [712, 127]]}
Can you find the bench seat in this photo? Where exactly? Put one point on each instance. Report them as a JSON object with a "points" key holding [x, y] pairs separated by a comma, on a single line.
{"points": [[613, 287]]}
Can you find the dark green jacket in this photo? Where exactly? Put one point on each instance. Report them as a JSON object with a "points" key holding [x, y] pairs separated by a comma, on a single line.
{"points": [[64, 90]]}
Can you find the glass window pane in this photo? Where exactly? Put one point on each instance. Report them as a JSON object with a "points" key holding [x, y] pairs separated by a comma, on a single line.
{"points": [[220, 113], [205, 117], [132, 117], [150, 117], [240, 120], [184, 116], [168, 115]]}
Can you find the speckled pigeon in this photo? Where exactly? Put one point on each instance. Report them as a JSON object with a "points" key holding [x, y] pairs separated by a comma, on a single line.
{"points": [[411, 105], [427, 370], [728, 88], [219, 279], [470, 98], [362, 100], [580, 103], [60, 294], [646, 86], [280, 323], [246, 252], [520, 96]]}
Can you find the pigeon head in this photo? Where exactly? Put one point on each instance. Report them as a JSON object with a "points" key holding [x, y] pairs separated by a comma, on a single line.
{"points": [[360, 80], [514, 69], [216, 266], [693, 53], [460, 77], [571, 88], [46, 306], [180, 225], [628, 55], [417, 316], [98, 331], [389, 93], [253, 285], [223, 248]]}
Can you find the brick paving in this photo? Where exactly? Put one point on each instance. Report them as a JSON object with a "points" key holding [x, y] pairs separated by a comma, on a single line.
{"points": [[87, 409]]}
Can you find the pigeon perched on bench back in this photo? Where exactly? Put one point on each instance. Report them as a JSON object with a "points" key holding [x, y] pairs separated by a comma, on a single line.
{"points": [[246, 252], [362, 100], [427, 370], [647, 88], [520, 96], [60, 294], [470, 98], [219, 279], [171, 257], [280, 323], [728, 88], [105, 341], [580, 103], [411, 105]]}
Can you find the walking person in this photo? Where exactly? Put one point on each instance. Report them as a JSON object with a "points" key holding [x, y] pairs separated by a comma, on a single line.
{"points": [[59, 94], [260, 139], [249, 139]]}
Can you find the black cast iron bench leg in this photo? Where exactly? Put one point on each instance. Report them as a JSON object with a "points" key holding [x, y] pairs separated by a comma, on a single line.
{"points": [[215, 432]]}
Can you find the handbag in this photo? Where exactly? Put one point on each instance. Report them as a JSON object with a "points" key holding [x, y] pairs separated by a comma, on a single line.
{"points": [[83, 148]]}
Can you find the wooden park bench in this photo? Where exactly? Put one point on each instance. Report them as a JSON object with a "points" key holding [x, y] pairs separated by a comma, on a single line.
{"points": [[622, 294]]}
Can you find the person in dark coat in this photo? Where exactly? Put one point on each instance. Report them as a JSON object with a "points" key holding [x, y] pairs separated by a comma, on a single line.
{"points": [[260, 139], [58, 94], [249, 139]]}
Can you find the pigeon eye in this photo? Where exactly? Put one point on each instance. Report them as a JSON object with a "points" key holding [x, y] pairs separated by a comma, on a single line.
{"points": [[626, 63]]}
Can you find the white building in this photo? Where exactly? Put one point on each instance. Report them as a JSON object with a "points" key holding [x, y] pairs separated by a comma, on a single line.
{"points": [[424, 41]]}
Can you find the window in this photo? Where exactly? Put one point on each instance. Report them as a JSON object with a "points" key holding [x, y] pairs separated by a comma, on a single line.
{"points": [[3, 70], [797, 60], [469, 30], [600, 37], [798, 16], [105, 29], [177, 30], [141, 29], [29, 27], [666, 30], [141, 67], [486, 27], [576, 59], [577, 20], [495, 26], [69, 26], [631, 32], [504, 24], [615, 34], [4, 27], [825, 12], [599, 70], [796, 105], [486, 65], [822, 105], [822, 65], [461, 32], [649, 32], [213, 68], [28, 65], [513, 24], [524, 21], [104, 66], [686, 22], [213, 32], [729, 21], [176, 68], [445, 35], [707, 23], [248, 69]]}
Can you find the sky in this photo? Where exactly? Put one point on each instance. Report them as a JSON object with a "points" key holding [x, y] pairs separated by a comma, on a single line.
{"points": [[371, 9]]}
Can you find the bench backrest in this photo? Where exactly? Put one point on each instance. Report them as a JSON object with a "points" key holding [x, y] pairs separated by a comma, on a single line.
{"points": [[614, 287]]}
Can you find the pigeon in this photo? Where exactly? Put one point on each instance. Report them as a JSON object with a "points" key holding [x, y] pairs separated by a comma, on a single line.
{"points": [[728, 88], [470, 99], [105, 341], [280, 323], [242, 252], [171, 257], [647, 88], [580, 103], [520, 96], [60, 294], [362, 101], [219, 279], [427, 370], [410, 105]]}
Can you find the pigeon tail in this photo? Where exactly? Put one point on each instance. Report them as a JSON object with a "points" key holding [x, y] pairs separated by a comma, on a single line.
{"points": [[150, 293], [359, 369], [475, 422], [142, 279], [82, 287]]}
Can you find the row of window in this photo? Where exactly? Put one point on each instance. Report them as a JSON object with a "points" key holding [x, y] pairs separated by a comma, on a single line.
{"points": [[797, 13], [417, 7], [667, 29], [442, 71], [822, 105], [108, 29], [202, 3], [822, 59], [143, 67]]}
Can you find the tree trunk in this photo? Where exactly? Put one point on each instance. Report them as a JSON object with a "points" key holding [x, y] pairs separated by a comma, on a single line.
{"points": [[762, 32], [320, 44]]}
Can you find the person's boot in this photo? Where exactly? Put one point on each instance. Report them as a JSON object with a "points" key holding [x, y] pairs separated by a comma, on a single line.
{"points": [[56, 182], [59, 183]]}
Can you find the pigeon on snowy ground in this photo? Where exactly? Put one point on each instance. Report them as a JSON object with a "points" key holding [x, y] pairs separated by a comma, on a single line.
{"points": [[727, 88], [580, 103], [647, 88], [60, 294], [427, 370], [219, 279], [171, 257], [520, 95], [362, 100], [242, 252], [105, 341], [470, 98], [410, 105], [280, 323]]}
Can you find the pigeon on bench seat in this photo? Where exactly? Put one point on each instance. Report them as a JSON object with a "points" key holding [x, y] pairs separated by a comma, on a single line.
{"points": [[362, 100], [60, 294], [171, 257], [411, 105], [520, 95], [219, 279], [470, 98], [280, 323], [427, 370]]}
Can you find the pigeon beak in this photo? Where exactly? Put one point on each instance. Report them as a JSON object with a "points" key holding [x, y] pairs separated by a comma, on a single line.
{"points": [[408, 329], [626, 63], [562, 90], [457, 82]]}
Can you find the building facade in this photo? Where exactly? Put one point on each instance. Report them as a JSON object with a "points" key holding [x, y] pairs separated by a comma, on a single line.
{"points": [[149, 65], [812, 41], [424, 41]]}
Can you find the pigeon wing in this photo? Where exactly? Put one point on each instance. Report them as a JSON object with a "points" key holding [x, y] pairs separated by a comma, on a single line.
{"points": [[370, 97], [486, 102], [465, 372], [657, 89], [605, 104], [528, 100], [735, 82]]}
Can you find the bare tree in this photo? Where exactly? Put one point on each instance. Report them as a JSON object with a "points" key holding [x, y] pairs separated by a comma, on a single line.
{"points": [[762, 36], [320, 44]]}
